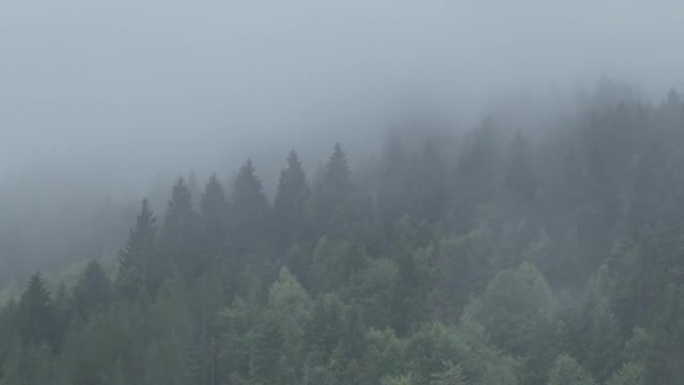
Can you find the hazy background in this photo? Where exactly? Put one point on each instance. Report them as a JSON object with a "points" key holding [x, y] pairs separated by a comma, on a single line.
{"points": [[100, 99], [130, 87]]}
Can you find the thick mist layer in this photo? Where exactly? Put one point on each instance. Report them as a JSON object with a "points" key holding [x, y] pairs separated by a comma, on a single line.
{"points": [[138, 87]]}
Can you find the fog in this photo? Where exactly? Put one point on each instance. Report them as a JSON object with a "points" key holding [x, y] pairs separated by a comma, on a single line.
{"points": [[145, 85], [100, 98]]}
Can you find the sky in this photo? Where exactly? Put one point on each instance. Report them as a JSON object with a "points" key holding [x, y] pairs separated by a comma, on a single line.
{"points": [[124, 90]]}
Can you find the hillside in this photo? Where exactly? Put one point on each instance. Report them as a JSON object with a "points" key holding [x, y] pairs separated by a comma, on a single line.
{"points": [[499, 256]]}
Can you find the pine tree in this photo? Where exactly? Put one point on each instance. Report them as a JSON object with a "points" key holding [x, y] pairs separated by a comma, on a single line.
{"points": [[434, 191], [566, 371], [92, 290], [180, 235], [353, 333], [477, 176], [267, 360], [214, 208], [179, 220], [136, 257], [520, 177], [331, 189], [289, 204], [323, 330], [168, 358], [36, 315], [628, 374], [337, 175], [249, 210]]}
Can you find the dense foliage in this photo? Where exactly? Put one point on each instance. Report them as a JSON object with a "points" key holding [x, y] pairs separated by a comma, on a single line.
{"points": [[495, 257]]}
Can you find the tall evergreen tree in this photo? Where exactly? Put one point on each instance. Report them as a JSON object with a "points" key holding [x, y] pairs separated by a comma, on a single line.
{"points": [[181, 228], [520, 177], [434, 190], [289, 204], [214, 209], [36, 315], [92, 290], [137, 257], [249, 210], [331, 189]]}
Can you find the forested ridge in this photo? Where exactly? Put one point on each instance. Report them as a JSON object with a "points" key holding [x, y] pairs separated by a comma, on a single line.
{"points": [[497, 257]]}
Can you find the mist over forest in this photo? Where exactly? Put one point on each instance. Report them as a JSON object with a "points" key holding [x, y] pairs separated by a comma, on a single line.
{"points": [[360, 192]]}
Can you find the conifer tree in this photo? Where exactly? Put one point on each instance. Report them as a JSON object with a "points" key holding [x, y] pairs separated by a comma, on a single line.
{"points": [[331, 189], [92, 290], [289, 204], [214, 210], [249, 210], [434, 194], [181, 232], [566, 371], [520, 177], [136, 259], [36, 315]]}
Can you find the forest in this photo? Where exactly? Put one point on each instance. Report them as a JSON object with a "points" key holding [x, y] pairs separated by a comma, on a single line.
{"points": [[496, 256]]}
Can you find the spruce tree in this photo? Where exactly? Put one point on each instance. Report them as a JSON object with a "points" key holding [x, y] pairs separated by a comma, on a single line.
{"points": [[520, 177], [434, 193], [289, 203], [214, 209], [92, 290], [249, 210], [566, 371], [137, 257], [331, 190], [181, 231], [36, 315]]}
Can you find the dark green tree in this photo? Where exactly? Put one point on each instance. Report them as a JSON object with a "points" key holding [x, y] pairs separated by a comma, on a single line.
{"points": [[324, 328], [93, 290], [214, 209], [180, 234], [36, 315], [566, 371], [331, 190], [289, 206], [249, 210], [433, 184], [267, 360], [137, 257]]}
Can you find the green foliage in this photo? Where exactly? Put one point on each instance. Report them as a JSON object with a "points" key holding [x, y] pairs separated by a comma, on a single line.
{"points": [[93, 290], [36, 315], [566, 371], [334, 261], [451, 375], [405, 379], [628, 374], [331, 190], [289, 204], [323, 329], [475, 259], [516, 307], [30, 365], [373, 289], [139, 263], [214, 210], [180, 235], [249, 210]]}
